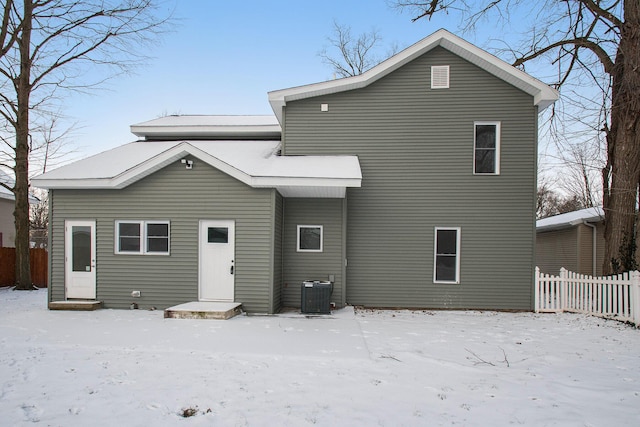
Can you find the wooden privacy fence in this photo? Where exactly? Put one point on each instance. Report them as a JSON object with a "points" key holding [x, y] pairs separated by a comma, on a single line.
{"points": [[39, 268], [610, 296]]}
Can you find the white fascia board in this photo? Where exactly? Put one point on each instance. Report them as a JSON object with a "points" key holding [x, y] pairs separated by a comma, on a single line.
{"points": [[270, 182], [204, 131], [543, 95]]}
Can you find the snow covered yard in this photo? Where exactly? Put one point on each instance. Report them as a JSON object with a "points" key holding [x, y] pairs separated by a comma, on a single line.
{"points": [[388, 368]]}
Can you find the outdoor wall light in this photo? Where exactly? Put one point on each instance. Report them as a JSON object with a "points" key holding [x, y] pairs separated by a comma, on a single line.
{"points": [[188, 163]]}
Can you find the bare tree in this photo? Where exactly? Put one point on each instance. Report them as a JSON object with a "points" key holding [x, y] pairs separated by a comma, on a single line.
{"points": [[354, 55], [595, 40], [47, 47], [549, 202]]}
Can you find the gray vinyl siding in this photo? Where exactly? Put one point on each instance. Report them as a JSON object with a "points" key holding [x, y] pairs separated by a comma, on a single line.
{"points": [[301, 266], [557, 249], [415, 147], [183, 197], [277, 252]]}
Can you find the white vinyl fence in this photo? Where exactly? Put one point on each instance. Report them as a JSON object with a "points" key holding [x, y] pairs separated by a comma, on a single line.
{"points": [[615, 297]]}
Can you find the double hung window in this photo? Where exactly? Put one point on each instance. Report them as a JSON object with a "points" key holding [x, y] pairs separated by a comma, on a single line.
{"points": [[486, 150], [446, 265]]}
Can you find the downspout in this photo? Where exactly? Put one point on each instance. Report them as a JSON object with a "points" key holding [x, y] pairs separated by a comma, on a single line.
{"points": [[593, 247]]}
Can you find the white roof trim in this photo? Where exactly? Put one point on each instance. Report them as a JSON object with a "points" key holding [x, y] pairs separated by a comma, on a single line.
{"points": [[570, 219], [543, 95]]}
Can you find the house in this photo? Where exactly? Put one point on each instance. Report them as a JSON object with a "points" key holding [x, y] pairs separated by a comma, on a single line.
{"points": [[7, 206], [411, 185], [573, 240]]}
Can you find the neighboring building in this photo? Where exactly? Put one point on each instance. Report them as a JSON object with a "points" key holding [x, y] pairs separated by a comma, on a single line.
{"points": [[411, 185], [7, 203], [7, 206], [574, 241]]}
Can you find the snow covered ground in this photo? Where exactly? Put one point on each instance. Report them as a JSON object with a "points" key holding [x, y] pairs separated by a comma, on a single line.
{"points": [[368, 368]]}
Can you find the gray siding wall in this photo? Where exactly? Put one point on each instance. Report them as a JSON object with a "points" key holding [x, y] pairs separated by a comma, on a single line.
{"points": [[415, 147], [570, 248], [301, 266], [7, 226], [183, 197], [278, 231], [557, 249]]}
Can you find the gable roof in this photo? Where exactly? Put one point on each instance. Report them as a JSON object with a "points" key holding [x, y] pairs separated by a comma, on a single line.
{"points": [[570, 219], [255, 163], [543, 95]]}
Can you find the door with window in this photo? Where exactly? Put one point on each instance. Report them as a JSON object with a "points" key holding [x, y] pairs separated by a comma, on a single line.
{"points": [[216, 260], [80, 259]]}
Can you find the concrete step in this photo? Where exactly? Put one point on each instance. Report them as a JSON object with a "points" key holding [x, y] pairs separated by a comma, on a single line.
{"points": [[75, 305], [204, 310]]}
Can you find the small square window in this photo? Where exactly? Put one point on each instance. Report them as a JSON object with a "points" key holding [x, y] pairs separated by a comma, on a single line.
{"points": [[309, 238], [486, 148], [218, 235]]}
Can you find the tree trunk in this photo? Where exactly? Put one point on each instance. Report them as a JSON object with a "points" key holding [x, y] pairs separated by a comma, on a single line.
{"points": [[21, 191], [623, 139]]}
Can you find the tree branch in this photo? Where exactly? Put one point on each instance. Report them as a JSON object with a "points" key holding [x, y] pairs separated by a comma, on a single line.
{"points": [[577, 42]]}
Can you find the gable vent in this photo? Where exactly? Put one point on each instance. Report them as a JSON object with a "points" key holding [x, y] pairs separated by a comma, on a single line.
{"points": [[439, 77]]}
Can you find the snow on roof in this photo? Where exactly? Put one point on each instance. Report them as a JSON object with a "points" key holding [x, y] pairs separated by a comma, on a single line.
{"points": [[255, 163], [570, 219], [543, 95], [202, 126], [8, 194]]}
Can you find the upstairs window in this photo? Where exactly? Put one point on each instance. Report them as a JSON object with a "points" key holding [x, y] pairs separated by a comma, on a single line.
{"points": [[142, 237], [309, 238], [440, 77], [486, 151], [446, 264]]}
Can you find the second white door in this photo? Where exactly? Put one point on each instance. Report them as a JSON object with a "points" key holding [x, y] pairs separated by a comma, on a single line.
{"points": [[216, 260]]}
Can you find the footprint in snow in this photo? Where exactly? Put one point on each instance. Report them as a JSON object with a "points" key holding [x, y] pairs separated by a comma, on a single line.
{"points": [[31, 412]]}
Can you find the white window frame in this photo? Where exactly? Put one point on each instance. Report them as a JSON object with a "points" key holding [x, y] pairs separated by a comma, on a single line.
{"points": [[144, 249], [439, 73], [299, 249], [458, 231], [497, 149]]}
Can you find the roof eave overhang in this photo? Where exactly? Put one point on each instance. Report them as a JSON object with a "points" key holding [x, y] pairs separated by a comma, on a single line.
{"points": [[307, 186], [189, 132], [542, 94], [570, 224]]}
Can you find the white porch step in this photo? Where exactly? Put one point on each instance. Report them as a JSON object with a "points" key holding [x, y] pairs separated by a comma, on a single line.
{"points": [[204, 310]]}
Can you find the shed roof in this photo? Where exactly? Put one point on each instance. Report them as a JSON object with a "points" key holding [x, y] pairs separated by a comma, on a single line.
{"points": [[543, 95], [256, 163], [570, 219], [209, 126]]}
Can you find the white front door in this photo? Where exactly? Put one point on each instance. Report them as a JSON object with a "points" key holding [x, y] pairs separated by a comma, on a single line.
{"points": [[216, 260], [80, 259]]}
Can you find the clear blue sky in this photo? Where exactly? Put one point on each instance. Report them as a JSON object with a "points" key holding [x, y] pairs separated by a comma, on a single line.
{"points": [[224, 56]]}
